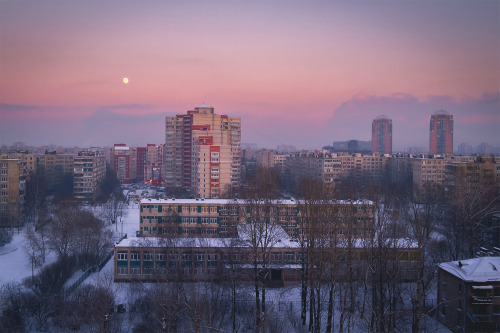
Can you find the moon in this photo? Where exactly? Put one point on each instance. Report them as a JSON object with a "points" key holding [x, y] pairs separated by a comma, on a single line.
{"points": [[125, 80]]}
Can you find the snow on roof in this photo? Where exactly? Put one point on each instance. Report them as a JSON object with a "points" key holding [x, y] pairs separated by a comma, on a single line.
{"points": [[481, 269], [151, 242], [240, 201]]}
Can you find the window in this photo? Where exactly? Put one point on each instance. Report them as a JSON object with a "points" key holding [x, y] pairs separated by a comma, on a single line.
{"points": [[200, 257], [122, 255], [276, 256], [160, 256], [3, 179], [134, 256], [147, 256], [122, 270], [135, 270], [289, 256]]}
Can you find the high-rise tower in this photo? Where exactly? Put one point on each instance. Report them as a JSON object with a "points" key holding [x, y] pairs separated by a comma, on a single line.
{"points": [[441, 133], [382, 135], [202, 152]]}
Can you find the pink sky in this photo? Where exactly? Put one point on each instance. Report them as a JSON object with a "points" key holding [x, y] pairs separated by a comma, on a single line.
{"points": [[293, 65]]}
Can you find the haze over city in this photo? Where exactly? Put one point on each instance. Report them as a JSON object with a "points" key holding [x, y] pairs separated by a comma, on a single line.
{"points": [[300, 73]]}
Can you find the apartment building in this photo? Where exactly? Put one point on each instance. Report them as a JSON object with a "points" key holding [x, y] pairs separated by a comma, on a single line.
{"points": [[429, 171], [202, 152], [481, 174], [13, 175], [331, 168], [30, 159], [469, 294], [154, 170], [322, 166], [89, 172], [55, 167], [441, 133], [382, 135], [123, 163]]}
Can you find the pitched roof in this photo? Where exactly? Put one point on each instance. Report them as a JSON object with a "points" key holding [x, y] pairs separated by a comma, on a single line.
{"points": [[481, 269]]}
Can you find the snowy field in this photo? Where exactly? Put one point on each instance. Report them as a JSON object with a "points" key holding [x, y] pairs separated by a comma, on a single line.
{"points": [[14, 261]]}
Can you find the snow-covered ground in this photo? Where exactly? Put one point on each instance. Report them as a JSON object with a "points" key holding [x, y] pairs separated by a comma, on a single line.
{"points": [[14, 261]]}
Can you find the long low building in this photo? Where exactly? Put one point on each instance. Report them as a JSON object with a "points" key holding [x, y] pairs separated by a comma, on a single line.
{"points": [[220, 217], [221, 259]]}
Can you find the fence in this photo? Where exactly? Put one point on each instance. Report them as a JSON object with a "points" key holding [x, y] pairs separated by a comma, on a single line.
{"points": [[96, 268]]}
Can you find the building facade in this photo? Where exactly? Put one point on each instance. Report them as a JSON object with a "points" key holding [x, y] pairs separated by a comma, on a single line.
{"points": [[177, 248], [202, 152], [481, 175], [213, 218], [382, 135], [12, 191], [441, 133], [122, 163], [89, 172], [469, 294], [56, 167], [154, 171]]}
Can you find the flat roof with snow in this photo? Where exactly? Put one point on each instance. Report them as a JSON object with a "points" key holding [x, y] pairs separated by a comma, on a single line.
{"points": [[243, 202]]}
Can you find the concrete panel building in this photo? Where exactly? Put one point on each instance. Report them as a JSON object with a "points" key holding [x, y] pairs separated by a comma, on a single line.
{"points": [[12, 191], [89, 172], [202, 152]]}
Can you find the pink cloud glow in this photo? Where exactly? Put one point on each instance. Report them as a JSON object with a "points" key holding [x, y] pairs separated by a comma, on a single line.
{"points": [[291, 66]]}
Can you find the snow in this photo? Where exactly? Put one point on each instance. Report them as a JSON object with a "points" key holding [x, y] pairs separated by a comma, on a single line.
{"points": [[482, 269], [14, 261], [242, 202]]}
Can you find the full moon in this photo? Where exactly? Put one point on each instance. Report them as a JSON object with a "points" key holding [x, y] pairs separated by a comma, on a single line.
{"points": [[125, 80]]}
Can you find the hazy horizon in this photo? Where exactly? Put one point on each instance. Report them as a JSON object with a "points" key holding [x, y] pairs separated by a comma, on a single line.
{"points": [[298, 73]]}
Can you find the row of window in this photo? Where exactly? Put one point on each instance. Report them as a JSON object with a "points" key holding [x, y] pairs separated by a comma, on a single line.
{"points": [[200, 257]]}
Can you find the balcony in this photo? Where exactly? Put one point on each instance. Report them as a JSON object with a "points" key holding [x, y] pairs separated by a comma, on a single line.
{"points": [[482, 300]]}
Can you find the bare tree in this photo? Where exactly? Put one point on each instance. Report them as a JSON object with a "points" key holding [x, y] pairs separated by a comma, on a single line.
{"points": [[35, 246], [260, 236], [115, 209], [469, 210]]}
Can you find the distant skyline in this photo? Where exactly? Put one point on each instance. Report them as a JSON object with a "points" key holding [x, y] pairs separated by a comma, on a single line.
{"points": [[299, 73]]}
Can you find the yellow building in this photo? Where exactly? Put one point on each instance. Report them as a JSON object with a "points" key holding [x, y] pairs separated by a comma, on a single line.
{"points": [[12, 191]]}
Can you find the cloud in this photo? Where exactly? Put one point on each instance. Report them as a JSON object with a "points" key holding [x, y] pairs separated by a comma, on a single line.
{"points": [[476, 120]]}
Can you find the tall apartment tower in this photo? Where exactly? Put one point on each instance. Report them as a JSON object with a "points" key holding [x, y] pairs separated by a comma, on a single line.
{"points": [[441, 133], [382, 135], [122, 163], [202, 152], [154, 172]]}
